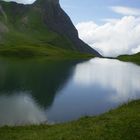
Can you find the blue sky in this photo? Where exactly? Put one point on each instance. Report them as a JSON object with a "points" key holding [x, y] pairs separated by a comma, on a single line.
{"points": [[85, 10]]}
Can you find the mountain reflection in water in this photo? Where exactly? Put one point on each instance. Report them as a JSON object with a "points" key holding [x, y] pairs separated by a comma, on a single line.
{"points": [[59, 91]]}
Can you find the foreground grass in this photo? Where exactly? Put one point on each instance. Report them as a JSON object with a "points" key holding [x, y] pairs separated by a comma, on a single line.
{"points": [[119, 124], [131, 58]]}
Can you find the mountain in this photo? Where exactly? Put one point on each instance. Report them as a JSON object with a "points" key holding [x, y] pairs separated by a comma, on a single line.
{"points": [[41, 27]]}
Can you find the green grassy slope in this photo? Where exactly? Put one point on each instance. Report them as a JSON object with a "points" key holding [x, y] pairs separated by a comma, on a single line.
{"points": [[26, 34], [131, 58], [119, 124]]}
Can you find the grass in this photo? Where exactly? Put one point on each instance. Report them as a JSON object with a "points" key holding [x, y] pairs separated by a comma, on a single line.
{"points": [[39, 52], [131, 58], [27, 41], [29, 36], [122, 123]]}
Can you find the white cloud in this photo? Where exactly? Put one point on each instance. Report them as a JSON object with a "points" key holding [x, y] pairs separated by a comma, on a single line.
{"points": [[114, 37], [22, 1], [126, 10], [135, 50]]}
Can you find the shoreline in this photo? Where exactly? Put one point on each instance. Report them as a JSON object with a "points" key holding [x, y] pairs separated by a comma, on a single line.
{"points": [[114, 124]]}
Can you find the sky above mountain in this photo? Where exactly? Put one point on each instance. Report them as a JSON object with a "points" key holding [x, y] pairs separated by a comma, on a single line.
{"points": [[111, 26]]}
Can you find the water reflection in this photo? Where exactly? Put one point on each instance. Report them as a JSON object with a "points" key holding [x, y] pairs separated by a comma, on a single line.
{"points": [[43, 78], [20, 108], [64, 90], [122, 78], [95, 87]]}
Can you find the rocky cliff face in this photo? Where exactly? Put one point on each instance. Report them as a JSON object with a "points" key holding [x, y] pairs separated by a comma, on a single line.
{"points": [[52, 15]]}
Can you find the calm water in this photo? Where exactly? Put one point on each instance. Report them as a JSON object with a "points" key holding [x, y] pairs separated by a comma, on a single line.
{"points": [[37, 91]]}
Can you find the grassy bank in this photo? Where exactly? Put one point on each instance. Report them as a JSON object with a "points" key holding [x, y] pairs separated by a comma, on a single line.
{"points": [[38, 52], [130, 58], [119, 124]]}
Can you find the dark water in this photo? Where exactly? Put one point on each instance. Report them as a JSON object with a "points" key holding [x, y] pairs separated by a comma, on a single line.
{"points": [[37, 91]]}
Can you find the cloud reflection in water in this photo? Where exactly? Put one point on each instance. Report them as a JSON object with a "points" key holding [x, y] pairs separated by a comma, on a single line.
{"points": [[123, 78], [20, 109], [96, 86]]}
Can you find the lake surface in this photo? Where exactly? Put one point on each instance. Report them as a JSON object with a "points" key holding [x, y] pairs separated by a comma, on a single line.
{"points": [[38, 91]]}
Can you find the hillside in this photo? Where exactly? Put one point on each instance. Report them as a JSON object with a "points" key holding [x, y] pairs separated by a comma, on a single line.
{"points": [[42, 28], [131, 58]]}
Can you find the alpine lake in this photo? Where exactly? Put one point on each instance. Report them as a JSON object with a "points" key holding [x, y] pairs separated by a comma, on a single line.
{"points": [[57, 91]]}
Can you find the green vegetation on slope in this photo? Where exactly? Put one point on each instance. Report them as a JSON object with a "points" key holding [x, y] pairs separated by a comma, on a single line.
{"points": [[24, 33], [131, 58], [119, 124], [23, 26], [39, 52], [24, 44]]}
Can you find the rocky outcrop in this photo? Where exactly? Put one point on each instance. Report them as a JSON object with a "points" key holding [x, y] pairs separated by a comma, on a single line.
{"points": [[3, 13], [3, 27]]}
